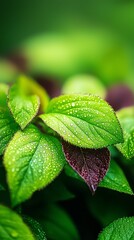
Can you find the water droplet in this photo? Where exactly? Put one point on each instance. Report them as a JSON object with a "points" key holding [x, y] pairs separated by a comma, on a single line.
{"points": [[14, 234], [73, 104]]}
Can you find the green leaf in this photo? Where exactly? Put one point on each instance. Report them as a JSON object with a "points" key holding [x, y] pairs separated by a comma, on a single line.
{"points": [[58, 224], [35, 228], [30, 86], [85, 121], [84, 84], [122, 228], [12, 226], [32, 160], [3, 94], [115, 179], [106, 206], [7, 124], [1, 187], [23, 107], [126, 118], [8, 127]]}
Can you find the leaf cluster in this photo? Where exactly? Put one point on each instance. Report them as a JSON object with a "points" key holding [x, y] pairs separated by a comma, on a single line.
{"points": [[76, 134]]}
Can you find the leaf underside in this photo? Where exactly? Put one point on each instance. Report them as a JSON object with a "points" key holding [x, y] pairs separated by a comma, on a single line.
{"points": [[90, 164]]}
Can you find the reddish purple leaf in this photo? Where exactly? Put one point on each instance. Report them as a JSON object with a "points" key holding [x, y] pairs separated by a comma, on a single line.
{"points": [[119, 96], [52, 86], [19, 60], [90, 164]]}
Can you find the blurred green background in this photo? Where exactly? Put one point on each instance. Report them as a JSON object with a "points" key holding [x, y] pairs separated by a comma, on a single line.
{"points": [[63, 38], [72, 42]]}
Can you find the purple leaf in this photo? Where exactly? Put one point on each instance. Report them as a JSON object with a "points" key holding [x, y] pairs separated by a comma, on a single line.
{"points": [[90, 164], [119, 96], [19, 60], [52, 86]]}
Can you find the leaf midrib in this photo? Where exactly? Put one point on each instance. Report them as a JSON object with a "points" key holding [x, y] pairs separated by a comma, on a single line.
{"points": [[21, 182], [82, 120]]}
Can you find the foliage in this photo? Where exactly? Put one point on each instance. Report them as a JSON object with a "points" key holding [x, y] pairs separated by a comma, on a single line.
{"points": [[48, 146]]}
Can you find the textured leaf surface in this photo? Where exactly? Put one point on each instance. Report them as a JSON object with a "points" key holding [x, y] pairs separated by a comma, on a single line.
{"points": [[121, 229], [12, 226], [24, 108], [32, 160], [71, 173], [115, 179], [35, 227], [126, 117], [7, 128], [85, 121], [7, 124], [90, 164]]}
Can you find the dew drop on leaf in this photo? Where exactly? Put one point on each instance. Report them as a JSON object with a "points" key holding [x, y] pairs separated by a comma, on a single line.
{"points": [[14, 234]]}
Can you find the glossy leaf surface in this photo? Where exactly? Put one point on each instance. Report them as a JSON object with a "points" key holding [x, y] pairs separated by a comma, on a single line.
{"points": [[90, 164], [32, 160], [122, 228], [12, 226], [85, 121]]}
